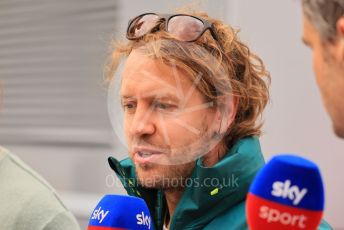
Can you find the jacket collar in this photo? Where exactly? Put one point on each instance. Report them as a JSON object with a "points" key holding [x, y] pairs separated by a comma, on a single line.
{"points": [[211, 191]]}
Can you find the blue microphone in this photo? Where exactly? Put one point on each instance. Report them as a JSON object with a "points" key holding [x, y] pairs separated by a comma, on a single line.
{"points": [[287, 193], [119, 212]]}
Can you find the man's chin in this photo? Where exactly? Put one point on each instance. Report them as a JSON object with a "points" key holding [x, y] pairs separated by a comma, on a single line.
{"points": [[145, 166], [161, 176], [148, 174], [149, 178]]}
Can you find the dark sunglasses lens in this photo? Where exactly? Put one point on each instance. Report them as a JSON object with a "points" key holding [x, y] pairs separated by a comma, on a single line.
{"points": [[142, 25], [185, 28]]}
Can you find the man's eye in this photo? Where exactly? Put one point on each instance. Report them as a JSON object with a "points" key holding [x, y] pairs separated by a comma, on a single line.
{"points": [[128, 106], [163, 106]]}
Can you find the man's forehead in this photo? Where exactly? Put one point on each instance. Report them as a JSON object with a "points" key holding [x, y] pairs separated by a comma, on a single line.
{"points": [[141, 71], [148, 79], [135, 63], [149, 85], [146, 83]]}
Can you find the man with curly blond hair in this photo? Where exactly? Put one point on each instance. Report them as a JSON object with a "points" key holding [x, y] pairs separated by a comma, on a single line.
{"points": [[192, 96]]}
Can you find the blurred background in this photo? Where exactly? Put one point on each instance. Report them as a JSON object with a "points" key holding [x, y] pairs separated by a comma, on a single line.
{"points": [[54, 108]]}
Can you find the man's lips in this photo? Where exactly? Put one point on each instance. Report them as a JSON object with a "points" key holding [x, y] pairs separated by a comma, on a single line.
{"points": [[145, 155]]}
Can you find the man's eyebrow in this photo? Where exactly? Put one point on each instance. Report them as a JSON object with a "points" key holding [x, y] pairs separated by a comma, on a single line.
{"points": [[168, 96], [126, 97], [157, 94]]}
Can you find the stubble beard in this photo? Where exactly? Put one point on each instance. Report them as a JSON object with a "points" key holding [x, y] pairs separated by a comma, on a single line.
{"points": [[175, 175], [164, 177]]}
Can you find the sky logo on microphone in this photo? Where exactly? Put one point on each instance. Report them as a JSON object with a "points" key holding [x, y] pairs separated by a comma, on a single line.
{"points": [[287, 193], [285, 190], [143, 219], [121, 212], [99, 215]]}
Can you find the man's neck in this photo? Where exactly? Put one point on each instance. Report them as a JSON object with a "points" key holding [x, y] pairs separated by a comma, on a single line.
{"points": [[173, 197], [215, 155]]}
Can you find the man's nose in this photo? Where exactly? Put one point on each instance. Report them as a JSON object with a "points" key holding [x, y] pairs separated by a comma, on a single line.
{"points": [[143, 121]]}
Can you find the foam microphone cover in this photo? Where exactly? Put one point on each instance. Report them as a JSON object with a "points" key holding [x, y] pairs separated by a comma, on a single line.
{"points": [[287, 193], [119, 212]]}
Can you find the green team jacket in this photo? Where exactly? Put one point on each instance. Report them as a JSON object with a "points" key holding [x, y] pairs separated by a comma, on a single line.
{"points": [[220, 207]]}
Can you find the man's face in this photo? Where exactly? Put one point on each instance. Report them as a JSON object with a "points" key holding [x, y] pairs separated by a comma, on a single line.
{"points": [[167, 122], [329, 70]]}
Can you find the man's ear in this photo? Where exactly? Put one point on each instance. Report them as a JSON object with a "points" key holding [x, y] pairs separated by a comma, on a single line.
{"points": [[226, 111]]}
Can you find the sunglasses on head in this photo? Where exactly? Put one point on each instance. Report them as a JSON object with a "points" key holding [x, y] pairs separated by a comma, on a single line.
{"points": [[183, 27]]}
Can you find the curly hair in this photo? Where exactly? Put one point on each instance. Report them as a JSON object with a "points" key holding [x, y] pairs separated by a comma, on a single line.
{"points": [[245, 76]]}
